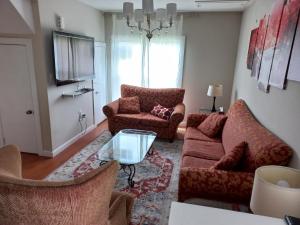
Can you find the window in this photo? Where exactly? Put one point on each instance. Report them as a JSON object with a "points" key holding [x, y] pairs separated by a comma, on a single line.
{"points": [[136, 61]]}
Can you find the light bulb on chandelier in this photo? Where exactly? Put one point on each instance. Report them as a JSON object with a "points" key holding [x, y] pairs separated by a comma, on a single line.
{"points": [[161, 16]]}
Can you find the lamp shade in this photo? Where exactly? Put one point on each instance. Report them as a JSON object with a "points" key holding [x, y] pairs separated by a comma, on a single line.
{"points": [[139, 16], [148, 6], [127, 9], [171, 10], [215, 90], [161, 15], [276, 192]]}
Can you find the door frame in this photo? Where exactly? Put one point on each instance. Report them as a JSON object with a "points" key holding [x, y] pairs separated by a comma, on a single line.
{"points": [[30, 59], [100, 44]]}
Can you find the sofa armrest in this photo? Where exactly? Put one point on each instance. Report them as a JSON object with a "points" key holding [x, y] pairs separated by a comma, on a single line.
{"points": [[215, 184], [111, 109], [194, 120], [10, 161], [178, 114]]}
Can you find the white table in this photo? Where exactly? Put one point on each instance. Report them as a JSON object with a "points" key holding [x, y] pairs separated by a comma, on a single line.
{"points": [[188, 214]]}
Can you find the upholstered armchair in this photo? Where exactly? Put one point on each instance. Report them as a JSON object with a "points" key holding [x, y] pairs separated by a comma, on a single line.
{"points": [[148, 97], [87, 200]]}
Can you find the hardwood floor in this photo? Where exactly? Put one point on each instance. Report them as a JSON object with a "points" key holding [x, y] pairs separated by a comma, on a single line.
{"points": [[37, 167]]}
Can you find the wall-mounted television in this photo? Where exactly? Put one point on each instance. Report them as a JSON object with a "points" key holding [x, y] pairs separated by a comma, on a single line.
{"points": [[73, 57]]}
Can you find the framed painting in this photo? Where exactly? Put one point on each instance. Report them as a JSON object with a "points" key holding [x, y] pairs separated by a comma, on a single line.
{"points": [[284, 44], [258, 53], [270, 44], [294, 68], [251, 49]]}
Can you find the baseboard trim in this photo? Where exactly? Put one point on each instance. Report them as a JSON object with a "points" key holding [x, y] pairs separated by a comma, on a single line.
{"points": [[55, 152]]}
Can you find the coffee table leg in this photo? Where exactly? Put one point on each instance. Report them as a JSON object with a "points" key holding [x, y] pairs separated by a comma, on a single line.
{"points": [[131, 175], [102, 163], [150, 152]]}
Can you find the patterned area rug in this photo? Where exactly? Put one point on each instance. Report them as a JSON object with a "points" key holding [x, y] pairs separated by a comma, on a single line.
{"points": [[156, 180]]}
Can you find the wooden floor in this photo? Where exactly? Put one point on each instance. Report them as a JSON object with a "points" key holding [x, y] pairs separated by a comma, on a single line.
{"points": [[37, 167]]}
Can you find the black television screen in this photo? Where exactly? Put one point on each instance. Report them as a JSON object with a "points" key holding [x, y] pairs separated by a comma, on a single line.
{"points": [[73, 57]]}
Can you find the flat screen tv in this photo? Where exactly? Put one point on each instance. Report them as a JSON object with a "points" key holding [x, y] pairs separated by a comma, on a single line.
{"points": [[73, 57]]}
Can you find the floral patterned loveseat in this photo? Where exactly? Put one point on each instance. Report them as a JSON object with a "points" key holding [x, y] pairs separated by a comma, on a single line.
{"points": [[148, 97], [197, 178]]}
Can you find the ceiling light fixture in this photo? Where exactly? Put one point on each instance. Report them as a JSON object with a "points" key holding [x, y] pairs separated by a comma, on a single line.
{"points": [[139, 15]]}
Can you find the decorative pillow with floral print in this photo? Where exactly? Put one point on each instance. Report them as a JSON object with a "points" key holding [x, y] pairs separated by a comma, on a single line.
{"points": [[213, 124], [231, 159], [162, 112], [129, 105]]}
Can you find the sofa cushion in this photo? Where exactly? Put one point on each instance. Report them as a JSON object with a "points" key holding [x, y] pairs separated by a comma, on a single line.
{"points": [[149, 97], [129, 105], [231, 160], [213, 124], [194, 162], [162, 112], [195, 134], [264, 148], [202, 149], [142, 118]]}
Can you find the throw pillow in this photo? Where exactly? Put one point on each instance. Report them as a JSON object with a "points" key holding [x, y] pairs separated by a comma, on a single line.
{"points": [[162, 112], [231, 160], [213, 124], [129, 105]]}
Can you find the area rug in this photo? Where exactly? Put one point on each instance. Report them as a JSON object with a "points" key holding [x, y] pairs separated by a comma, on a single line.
{"points": [[156, 180]]}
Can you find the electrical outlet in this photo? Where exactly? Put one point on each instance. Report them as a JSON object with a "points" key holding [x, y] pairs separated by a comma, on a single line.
{"points": [[81, 115]]}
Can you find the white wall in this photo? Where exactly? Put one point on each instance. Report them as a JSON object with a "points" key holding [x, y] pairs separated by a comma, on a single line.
{"points": [[279, 110], [80, 19], [210, 55], [13, 21]]}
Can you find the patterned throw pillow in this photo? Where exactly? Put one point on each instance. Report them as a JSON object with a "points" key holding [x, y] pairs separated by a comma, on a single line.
{"points": [[231, 160], [129, 105], [162, 112], [213, 124]]}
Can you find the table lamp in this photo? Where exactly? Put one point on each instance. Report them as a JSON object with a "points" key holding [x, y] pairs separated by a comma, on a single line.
{"points": [[215, 91], [276, 192]]}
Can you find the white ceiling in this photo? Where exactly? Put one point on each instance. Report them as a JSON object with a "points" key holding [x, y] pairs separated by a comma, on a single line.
{"points": [[183, 5]]}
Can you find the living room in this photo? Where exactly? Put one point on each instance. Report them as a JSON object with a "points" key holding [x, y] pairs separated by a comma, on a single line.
{"points": [[137, 111]]}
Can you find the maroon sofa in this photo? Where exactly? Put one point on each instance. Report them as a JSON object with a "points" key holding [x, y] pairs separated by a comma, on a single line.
{"points": [[197, 178], [148, 97]]}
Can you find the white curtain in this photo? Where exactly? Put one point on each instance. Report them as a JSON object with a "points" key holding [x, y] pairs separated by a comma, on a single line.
{"points": [[136, 61]]}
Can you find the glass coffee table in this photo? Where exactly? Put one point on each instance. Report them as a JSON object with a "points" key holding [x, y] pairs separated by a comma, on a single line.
{"points": [[129, 147]]}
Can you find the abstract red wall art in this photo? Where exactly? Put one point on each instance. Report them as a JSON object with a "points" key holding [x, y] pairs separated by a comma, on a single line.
{"points": [[284, 45], [294, 68], [263, 25], [251, 50], [270, 44]]}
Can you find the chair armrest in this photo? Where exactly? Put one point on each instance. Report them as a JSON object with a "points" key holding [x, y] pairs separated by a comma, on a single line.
{"points": [[194, 120], [215, 184], [120, 202], [111, 109], [178, 114], [10, 161]]}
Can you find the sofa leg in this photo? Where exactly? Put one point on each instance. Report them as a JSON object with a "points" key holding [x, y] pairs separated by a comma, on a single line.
{"points": [[171, 140]]}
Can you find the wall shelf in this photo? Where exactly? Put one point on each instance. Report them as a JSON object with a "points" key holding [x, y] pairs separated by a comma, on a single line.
{"points": [[77, 93]]}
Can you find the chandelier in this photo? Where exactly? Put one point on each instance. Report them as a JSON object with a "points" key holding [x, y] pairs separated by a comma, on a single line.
{"points": [[161, 16]]}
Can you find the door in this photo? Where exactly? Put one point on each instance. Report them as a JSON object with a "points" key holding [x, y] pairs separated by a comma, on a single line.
{"points": [[100, 82], [18, 110]]}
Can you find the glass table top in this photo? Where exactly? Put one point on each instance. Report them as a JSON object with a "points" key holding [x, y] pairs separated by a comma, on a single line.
{"points": [[128, 146]]}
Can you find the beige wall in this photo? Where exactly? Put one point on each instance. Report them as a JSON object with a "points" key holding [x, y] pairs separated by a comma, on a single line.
{"points": [[210, 54], [280, 109], [80, 19]]}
